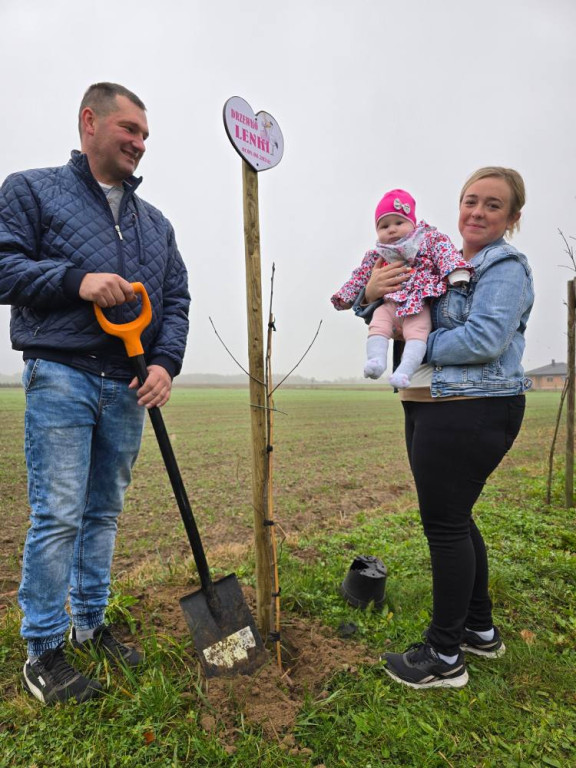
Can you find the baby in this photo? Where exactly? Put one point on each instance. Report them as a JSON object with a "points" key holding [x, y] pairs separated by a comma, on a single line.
{"points": [[434, 262]]}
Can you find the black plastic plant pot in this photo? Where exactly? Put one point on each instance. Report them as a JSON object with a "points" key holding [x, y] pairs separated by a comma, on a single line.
{"points": [[365, 582]]}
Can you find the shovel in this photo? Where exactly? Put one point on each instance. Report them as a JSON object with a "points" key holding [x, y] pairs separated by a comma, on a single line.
{"points": [[225, 636]]}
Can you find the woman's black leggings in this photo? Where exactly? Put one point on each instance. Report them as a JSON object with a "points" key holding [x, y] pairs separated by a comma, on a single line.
{"points": [[453, 447]]}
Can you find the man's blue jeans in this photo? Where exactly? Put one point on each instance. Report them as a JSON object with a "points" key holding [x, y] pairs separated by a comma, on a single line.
{"points": [[82, 436]]}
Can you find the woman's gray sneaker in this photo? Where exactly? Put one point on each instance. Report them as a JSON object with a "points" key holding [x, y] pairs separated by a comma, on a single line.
{"points": [[490, 649], [421, 667], [51, 679]]}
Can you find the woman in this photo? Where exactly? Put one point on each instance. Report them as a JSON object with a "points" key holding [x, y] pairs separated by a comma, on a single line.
{"points": [[463, 411]]}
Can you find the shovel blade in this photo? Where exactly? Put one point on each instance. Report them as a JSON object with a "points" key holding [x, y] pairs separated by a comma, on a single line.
{"points": [[224, 633]]}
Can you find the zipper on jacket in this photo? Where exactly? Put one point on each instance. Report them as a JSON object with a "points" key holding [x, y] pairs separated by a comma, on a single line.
{"points": [[118, 231]]}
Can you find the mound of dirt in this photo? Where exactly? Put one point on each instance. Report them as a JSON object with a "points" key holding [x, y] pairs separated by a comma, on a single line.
{"points": [[271, 697]]}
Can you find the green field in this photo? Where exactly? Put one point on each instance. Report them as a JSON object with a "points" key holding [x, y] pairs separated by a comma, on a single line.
{"points": [[342, 487]]}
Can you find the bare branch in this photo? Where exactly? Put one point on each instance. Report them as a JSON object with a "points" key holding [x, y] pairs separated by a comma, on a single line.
{"points": [[267, 408], [291, 371], [569, 249], [232, 356]]}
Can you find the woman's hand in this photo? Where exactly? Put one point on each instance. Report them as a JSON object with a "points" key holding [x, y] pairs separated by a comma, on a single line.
{"points": [[385, 278]]}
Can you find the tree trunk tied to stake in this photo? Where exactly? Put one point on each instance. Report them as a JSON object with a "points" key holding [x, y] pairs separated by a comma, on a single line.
{"points": [[262, 407], [569, 476], [568, 394], [275, 635]]}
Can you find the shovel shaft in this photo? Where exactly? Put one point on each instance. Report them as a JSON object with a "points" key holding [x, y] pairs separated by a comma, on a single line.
{"points": [[165, 445], [130, 335]]}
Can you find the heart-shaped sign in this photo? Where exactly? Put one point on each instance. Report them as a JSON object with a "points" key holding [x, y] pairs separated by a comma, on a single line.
{"points": [[256, 137]]}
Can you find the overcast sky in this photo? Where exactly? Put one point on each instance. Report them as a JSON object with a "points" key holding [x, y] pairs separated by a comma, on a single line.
{"points": [[369, 95]]}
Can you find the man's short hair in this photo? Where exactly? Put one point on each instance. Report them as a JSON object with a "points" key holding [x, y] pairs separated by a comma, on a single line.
{"points": [[101, 97]]}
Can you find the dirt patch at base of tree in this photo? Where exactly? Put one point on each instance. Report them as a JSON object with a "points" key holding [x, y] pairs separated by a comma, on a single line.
{"points": [[273, 695]]}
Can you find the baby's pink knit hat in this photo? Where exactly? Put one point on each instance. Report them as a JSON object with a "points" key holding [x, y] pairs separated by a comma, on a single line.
{"points": [[397, 201]]}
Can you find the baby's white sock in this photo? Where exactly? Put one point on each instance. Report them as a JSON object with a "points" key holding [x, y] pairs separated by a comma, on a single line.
{"points": [[414, 351], [376, 354]]}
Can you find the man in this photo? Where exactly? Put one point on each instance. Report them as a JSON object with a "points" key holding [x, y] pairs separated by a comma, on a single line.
{"points": [[69, 237]]}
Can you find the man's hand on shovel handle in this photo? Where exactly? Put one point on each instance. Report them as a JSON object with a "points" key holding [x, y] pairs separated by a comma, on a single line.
{"points": [[106, 289], [156, 389]]}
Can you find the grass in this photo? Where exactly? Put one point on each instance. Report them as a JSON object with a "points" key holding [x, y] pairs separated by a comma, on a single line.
{"points": [[339, 492], [518, 712]]}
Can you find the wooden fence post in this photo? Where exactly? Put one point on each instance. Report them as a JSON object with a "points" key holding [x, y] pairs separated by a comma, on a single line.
{"points": [[258, 398], [569, 478]]}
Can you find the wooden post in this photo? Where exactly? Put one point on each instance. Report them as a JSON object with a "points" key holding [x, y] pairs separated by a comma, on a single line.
{"points": [[258, 397], [569, 478]]}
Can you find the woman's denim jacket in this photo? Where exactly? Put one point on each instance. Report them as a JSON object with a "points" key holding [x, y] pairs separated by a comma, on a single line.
{"points": [[477, 345]]}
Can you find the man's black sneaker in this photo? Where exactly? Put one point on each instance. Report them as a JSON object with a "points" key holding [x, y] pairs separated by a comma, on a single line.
{"points": [[491, 649], [421, 667], [51, 678], [104, 641]]}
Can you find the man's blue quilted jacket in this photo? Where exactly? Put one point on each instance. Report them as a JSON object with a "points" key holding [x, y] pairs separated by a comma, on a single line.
{"points": [[55, 227]]}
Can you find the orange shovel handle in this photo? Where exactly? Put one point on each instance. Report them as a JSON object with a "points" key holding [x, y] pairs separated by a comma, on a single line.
{"points": [[129, 332]]}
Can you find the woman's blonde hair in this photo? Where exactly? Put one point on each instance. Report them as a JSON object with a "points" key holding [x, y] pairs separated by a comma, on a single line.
{"points": [[515, 183]]}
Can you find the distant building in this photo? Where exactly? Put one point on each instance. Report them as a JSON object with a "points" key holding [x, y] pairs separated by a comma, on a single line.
{"points": [[549, 377]]}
